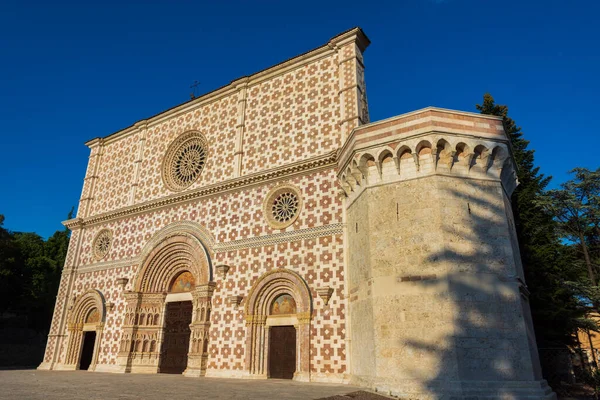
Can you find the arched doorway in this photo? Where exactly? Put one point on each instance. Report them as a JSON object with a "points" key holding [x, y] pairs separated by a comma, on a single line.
{"points": [[163, 318], [85, 327], [278, 313]]}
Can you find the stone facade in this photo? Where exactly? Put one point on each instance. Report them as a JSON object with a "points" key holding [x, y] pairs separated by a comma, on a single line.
{"points": [[393, 239]]}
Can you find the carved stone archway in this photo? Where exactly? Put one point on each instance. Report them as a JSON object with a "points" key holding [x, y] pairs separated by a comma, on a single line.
{"points": [[88, 314], [176, 249], [258, 321]]}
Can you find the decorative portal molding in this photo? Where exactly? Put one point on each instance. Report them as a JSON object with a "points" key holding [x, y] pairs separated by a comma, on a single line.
{"points": [[177, 248], [179, 264], [200, 330]]}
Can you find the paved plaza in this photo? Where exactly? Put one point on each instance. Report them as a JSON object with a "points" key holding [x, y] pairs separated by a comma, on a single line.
{"points": [[53, 385]]}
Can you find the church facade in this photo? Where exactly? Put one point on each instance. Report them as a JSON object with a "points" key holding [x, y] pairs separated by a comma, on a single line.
{"points": [[269, 229]]}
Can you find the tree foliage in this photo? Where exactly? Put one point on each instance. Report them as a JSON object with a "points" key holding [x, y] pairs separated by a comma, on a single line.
{"points": [[576, 209], [547, 262], [30, 271]]}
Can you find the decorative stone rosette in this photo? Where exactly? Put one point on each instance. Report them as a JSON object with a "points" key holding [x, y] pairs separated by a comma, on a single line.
{"points": [[184, 160], [102, 244], [282, 206]]}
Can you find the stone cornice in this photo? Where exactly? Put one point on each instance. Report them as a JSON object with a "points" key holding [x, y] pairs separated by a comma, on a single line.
{"points": [[282, 237], [257, 241], [451, 151], [325, 161], [398, 118]]}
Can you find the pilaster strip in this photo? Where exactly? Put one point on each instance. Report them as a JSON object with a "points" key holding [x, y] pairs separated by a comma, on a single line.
{"points": [[240, 127], [142, 127], [95, 165]]}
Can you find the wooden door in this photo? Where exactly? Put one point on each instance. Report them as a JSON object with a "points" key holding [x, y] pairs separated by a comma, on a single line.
{"points": [[176, 339], [282, 352]]}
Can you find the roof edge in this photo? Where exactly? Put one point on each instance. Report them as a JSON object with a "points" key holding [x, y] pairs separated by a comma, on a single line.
{"points": [[425, 109], [355, 34]]}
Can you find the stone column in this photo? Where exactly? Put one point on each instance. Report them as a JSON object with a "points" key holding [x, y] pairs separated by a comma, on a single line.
{"points": [[97, 346], [128, 331], [303, 348], [256, 338], [74, 346], [200, 326]]}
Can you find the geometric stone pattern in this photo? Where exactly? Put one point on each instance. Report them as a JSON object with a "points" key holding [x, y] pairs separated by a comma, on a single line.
{"points": [[293, 116], [233, 216], [320, 262]]}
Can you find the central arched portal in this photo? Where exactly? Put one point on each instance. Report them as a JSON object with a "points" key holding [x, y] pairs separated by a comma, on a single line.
{"points": [[168, 313]]}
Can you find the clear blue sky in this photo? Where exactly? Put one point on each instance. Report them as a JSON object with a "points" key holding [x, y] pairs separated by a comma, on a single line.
{"points": [[72, 71]]}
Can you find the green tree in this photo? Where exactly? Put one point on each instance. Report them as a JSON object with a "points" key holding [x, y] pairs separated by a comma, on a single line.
{"points": [[547, 263], [30, 271], [38, 276], [55, 251], [11, 273], [576, 208]]}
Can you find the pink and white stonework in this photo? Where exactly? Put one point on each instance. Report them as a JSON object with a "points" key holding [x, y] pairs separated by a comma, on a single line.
{"points": [[394, 241]]}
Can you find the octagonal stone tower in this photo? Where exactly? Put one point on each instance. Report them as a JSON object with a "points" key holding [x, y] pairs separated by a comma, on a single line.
{"points": [[437, 305]]}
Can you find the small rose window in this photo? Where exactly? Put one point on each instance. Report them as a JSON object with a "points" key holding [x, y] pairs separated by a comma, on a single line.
{"points": [[102, 243], [282, 206], [285, 207]]}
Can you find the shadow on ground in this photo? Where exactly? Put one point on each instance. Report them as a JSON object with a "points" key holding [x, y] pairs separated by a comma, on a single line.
{"points": [[360, 395]]}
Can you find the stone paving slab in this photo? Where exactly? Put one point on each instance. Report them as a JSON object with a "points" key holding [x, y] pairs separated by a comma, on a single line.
{"points": [[67, 385]]}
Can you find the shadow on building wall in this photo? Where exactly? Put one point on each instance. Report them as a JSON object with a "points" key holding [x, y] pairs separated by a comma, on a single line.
{"points": [[491, 339]]}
